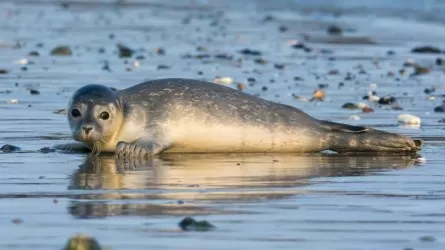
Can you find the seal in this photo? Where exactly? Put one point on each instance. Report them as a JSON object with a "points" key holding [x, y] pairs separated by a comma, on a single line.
{"points": [[177, 115]]}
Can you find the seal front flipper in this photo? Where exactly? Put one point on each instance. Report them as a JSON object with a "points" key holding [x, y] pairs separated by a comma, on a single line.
{"points": [[137, 149], [74, 147]]}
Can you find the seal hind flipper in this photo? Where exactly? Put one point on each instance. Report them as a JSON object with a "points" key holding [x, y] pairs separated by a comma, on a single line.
{"points": [[340, 127]]}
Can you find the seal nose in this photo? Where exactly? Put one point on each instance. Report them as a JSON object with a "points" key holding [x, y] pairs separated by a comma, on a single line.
{"points": [[87, 129]]}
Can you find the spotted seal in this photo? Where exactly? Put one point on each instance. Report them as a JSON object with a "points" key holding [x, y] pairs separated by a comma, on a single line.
{"points": [[190, 116]]}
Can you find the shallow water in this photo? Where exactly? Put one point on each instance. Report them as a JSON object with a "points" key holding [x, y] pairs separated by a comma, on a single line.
{"points": [[256, 201]]}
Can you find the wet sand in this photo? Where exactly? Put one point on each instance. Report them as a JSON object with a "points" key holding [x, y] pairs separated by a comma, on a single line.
{"points": [[255, 201]]}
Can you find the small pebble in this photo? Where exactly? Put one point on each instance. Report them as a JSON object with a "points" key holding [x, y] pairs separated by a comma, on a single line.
{"points": [[350, 105], [282, 28], [8, 148], [318, 95], [334, 30], [34, 92], [439, 109], [427, 238], [386, 100], [250, 52], [279, 66], [162, 67], [124, 51], [354, 117], [190, 224], [426, 50], [17, 221], [61, 51], [159, 51], [241, 86], [409, 119], [260, 61], [367, 110], [362, 105], [3, 71], [47, 150], [223, 80]]}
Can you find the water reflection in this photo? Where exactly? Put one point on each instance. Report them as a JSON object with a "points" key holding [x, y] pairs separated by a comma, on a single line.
{"points": [[189, 184]]}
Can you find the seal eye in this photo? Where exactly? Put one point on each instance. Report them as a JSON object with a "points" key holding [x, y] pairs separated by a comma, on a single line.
{"points": [[104, 115], [75, 113]]}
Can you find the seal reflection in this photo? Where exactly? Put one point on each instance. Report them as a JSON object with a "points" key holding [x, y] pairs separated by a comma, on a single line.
{"points": [[187, 184]]}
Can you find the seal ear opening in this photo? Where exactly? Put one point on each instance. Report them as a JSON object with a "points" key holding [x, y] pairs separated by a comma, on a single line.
{"points": [[340, 127]]}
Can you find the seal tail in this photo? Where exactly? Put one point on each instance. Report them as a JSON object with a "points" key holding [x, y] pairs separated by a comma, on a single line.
{"points": [[347, 138]]}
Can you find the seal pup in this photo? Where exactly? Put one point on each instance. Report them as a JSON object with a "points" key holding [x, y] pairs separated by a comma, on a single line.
{"points": [[189, 116]]}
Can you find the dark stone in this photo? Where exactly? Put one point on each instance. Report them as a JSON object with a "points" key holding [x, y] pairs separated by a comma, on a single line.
{"points": [[297, 78], [439, 61], [323, 85], [282, 28], [161, 67], [249, 52], [46, 150], [350, 105], [8, 148], [101, 50], [34, 92], [106, 66], [268, 18], [160, 51], [190, 224], [390, 52], [301, 46], [439, 109], [429, 90], [335, 30], [251, 79], [386, 100], [279, 66], [140, 57], [260, 61], [3, 71], [426, 50], [124, 51], [33, 53], [224, 56], [61, 51], [264, 88]]}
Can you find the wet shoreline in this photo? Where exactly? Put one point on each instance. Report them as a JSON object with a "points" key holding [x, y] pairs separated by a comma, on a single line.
{"points": [[262, 202]]}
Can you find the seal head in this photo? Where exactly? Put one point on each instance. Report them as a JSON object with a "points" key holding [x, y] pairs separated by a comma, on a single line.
{"points": [[95, 116]]}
